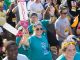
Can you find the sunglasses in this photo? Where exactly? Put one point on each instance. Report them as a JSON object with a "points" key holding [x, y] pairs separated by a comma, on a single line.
{"points": [[64, 13], [39, 29]]}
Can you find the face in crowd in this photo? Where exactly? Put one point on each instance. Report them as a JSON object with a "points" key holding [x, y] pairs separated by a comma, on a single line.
{"points": [[38, 30], [34, 18], [69, 49], [12, 50], [63, 13]]}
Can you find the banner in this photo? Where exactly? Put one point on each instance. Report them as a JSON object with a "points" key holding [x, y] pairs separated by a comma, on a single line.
{"points": [[10, 28], [22, 10], [23, 17]]}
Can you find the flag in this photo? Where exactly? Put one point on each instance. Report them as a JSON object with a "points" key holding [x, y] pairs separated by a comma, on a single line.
{"points": [[75, 22]]}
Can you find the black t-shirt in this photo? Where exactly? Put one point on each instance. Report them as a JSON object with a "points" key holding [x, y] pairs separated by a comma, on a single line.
{"points": [[10, 15], [51, 34]]}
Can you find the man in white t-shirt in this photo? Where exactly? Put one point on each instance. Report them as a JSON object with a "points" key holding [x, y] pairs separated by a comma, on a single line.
{"points": [[62, 26], [37, 7], [12, 52]]}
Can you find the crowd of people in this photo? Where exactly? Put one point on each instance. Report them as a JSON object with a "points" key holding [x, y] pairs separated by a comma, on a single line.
{"points": [[51, 23]]}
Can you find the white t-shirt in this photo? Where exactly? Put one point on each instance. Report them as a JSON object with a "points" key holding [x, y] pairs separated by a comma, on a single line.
{"points": [[62, 25], [19, 57], [37, 8], [29, 4]]}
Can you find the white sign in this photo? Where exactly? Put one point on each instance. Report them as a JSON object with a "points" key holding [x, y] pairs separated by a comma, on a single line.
{"points": [[11, 29], [22, 10]]}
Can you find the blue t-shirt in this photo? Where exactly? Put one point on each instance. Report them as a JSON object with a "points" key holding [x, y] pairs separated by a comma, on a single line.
{"points": [[5, 7], [76, 57], [39, 48]]}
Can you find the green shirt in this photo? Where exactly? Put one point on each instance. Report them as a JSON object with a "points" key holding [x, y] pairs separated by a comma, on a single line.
{"points": [[7, 2], [22, 49], [45, 23], [39, 48], [76, 57]]}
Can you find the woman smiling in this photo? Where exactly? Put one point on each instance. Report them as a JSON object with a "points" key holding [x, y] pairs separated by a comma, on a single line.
{"points": [[69, 51]]}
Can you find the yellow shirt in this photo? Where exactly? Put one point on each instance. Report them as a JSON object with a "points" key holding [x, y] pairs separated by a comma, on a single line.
{"points": [[2, 14]]}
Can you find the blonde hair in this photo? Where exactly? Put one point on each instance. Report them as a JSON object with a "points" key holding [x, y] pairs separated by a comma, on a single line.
{"points": [[65, 44]]}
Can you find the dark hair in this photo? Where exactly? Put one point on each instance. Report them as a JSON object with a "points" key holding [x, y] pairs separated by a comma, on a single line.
{"points": [[10, 44], [33, 14], [78, 4]]}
